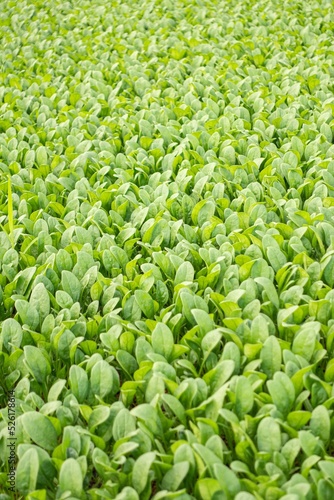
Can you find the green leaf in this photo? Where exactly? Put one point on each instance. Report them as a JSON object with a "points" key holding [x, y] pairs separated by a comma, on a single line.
{"points": [[39, 299], [145, 302], [56, 390], [291, 450], [27, 472], [140, 472], [203, 212], [304, 341], [203, 320], [102, 379], [40, 430], [63, 260], [320, 423], [126, 361], [207, 487], [298, 419], [210, 342], [149, 417], [185, 273], [37, 363], [79, 384], [209, 458], [282, 392], [127, 493], [123, 425], [71, 478], [162, 340], [64, 300], [162, 294], [228, 480], [174, 477], [71, 285], [220, 374], [11, 333], [327, 468], [276, 258], [28, 314], [271, 356], [269, 435], [244, 398], [269, 289], [155, 386], [41, 156], [175, 406], [325, 489], [310, 444]]}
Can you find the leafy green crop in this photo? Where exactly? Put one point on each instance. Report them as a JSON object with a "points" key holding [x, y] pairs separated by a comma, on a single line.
{"points": [[167, 249]]}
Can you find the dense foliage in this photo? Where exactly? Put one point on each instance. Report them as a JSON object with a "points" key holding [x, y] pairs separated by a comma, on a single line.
{"points": [[167, 248]]}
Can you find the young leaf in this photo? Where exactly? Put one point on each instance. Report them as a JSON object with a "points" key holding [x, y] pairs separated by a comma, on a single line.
{"points": [[27, 472], [37, 363], [244, 398], [79, 384], [145, 302], [184, 273], [162, 340], [39, 299], [282, 392], [40, 430], [140, 472], [174, 477], [71, 285], [71, 478], [271, 356], [269, 437]]}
